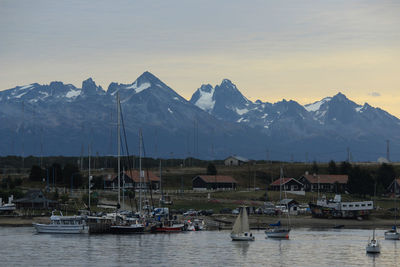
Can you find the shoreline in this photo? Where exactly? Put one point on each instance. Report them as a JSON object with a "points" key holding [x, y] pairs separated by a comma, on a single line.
{"points": [[225, 221]]}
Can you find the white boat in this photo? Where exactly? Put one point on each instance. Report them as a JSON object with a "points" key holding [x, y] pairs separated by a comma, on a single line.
{"points": [[393, 234], [241, 231], [7, 207], [277, 230], [60, 224], [373, 245]]}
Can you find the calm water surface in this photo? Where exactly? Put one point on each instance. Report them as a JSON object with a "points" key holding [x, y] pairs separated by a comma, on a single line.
{"points": [[23, 247]]}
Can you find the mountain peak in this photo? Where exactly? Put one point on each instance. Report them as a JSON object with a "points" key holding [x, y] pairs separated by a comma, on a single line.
{"points": [[90, 87], [341, 97]]}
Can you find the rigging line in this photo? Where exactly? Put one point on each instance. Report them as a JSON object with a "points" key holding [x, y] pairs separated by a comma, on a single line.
{"points": [[128, 160], [147, 172]]}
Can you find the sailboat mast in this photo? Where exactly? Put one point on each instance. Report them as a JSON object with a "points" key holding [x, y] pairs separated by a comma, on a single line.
{"points": [[89, 176], [161, 189], [119, 148], [395, 202], [140, 171]]}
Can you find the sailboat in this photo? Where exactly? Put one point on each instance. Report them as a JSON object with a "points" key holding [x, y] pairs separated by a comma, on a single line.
{"points": [[373, 245], [393, 234], [276, 230], [123, 224], [240, 230]]}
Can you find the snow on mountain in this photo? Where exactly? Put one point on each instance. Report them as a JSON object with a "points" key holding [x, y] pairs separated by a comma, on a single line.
{"points": [[216, 122], [203, 97], [316, 105]]}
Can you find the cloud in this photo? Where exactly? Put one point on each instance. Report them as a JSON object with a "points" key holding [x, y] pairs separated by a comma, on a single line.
{"points": [[376, 94]]}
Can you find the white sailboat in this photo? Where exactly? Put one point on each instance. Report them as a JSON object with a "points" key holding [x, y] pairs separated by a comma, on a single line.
{"points": [[393, 234], [277, 230], [240, 230], [373, 245]]}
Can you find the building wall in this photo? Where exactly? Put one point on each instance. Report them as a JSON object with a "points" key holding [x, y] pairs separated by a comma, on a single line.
{"points": [[231, 161]]}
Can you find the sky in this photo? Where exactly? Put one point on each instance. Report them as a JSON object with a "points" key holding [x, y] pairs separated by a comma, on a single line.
{"points": [[271, 50]]}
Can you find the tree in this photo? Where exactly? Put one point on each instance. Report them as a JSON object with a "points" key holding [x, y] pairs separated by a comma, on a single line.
{"points": [[36, 174], [71, 173], [314, 168], [360, 182], [345, 167], [211, 169], [332, 169], [385, 175]]}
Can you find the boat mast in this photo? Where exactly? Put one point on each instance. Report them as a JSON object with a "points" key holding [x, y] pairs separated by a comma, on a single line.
{"points": [[89, 177], [161, 189], [123, 189], [119, 149], [395, 206], [140, 171]]}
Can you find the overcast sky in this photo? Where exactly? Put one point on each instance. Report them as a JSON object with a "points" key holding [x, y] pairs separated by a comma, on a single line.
{"points": [[301, 50]]}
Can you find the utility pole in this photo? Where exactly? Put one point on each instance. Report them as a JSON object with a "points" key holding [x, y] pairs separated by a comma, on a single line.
{"points": [[387, 151]]}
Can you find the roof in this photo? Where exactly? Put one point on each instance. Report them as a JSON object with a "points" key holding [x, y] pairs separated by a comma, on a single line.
{"points": [[326, 178], [216, 178], [32, 196], [397, 181], [238, 158], [134, 175], [284, 181]]}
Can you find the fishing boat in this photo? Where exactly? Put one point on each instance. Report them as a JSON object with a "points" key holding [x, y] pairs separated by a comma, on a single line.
{"points": [[60, 224], [240, 230], [373, 245], [393, 234], [276, 230]]}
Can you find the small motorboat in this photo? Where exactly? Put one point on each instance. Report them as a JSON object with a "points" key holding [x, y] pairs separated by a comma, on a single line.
{"points": [[373, 245]]}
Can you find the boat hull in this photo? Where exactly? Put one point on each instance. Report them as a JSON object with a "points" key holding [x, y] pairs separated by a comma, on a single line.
{"points": [[170, 229], [61, 229], [392, 235], [126, 229], [281, 233], [242, 237], [373, 249]]}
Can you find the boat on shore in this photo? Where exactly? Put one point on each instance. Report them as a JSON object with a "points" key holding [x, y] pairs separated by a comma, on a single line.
{"points": [[7, 207], [60, 224], [335, 208], [168, 227]]}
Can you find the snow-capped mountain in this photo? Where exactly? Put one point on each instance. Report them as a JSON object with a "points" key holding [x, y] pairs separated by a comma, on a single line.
{"points": [[216, 122]]}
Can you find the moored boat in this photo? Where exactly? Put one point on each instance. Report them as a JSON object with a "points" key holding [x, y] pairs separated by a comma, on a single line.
{"points": [[60, 224], [393, 234], [373, 245], [240, 230]]}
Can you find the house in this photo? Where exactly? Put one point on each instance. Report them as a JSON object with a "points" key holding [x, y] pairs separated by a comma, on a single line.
{"points": [[393, 185], [235, 161], [288, 184], [207, 182], [289, 204], [131, 180], [35, 199], [326, 182]]}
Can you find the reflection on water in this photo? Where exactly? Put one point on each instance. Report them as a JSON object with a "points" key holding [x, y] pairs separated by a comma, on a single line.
{"points": [[22, 247]]}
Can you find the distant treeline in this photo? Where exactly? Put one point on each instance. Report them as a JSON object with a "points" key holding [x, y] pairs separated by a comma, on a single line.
{"points": [[19, 164]]}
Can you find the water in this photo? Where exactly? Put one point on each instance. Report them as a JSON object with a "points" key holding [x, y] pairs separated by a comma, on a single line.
{"points": [[23, 247]]}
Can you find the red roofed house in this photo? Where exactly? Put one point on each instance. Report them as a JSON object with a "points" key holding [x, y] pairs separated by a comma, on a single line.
{"points": [[132, 180], [394, 185], [206, 182], [288, 184], [327, 182]]}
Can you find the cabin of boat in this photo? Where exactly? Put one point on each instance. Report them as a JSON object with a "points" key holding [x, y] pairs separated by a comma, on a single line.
{"points": [[60, 224]]}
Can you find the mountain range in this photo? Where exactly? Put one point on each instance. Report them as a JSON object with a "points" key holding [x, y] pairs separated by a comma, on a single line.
{"points": [[61, 119]]}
